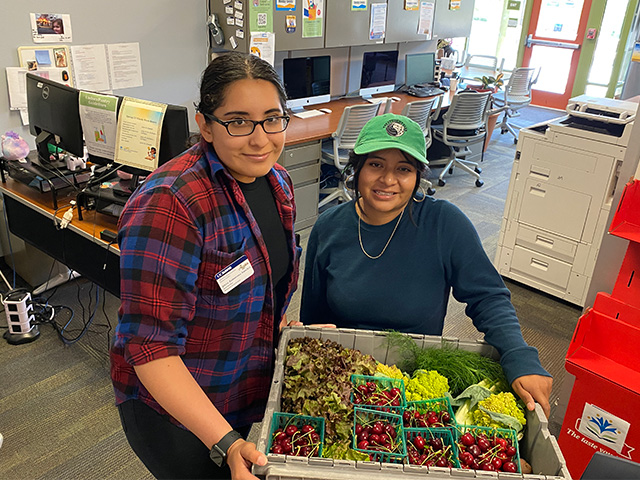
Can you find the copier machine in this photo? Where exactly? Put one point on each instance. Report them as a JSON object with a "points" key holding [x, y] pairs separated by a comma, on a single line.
{"points": [[562, 185]]}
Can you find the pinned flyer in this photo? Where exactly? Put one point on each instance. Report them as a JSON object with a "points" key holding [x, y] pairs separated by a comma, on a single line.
{"points": [[263, 45], [358, 5], [378, 21], [138, 134], [425, 25]]}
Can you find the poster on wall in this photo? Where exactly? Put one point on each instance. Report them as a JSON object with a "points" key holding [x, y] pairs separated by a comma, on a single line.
{"points": [[263, 45], [50, 27], [260, 16], [454, 4], [425, 24], [358, 5], [312, 14], [411, 4], [635, 56], [378, 21], [286, 5]]}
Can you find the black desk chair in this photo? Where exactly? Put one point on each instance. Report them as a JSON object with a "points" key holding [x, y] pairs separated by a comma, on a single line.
{"points": [[463, 124]]}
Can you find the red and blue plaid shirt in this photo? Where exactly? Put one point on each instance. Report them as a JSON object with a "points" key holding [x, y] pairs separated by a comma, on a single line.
{"points": [[186, 223]]}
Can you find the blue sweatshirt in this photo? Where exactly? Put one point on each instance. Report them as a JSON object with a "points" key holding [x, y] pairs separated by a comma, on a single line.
{"points": [[407, 288]]}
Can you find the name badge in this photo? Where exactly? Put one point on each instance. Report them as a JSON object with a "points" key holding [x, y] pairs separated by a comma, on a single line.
{"points": [[234, 274]]}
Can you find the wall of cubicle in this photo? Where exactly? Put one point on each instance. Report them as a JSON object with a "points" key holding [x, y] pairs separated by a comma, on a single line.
{"points": [[343, 33]]}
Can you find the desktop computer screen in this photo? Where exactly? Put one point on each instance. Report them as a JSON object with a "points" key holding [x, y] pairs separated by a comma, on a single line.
{"points": [[54, 117], [419, 68], [378, 72], [307, 81]]}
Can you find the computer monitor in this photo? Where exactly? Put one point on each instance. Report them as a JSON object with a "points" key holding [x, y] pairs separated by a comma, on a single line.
{"points": [[419, 68], [174, 138], [307, 81], [54, 116], [378, 72]]}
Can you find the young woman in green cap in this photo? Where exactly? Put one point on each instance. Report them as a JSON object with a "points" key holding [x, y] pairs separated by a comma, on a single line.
{"points": [[390, 258]]}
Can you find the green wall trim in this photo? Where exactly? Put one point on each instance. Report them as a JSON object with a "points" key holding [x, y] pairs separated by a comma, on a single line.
{"points": [[620, 50], [526, 20]]}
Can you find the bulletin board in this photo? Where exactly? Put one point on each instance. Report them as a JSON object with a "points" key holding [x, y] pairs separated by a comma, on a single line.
{"points": [[49, 61]]}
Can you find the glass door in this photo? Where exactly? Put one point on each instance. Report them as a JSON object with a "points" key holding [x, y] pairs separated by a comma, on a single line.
{"points": [[555, 36]]}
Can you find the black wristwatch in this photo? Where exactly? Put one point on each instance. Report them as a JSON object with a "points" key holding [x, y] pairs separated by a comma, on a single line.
{"points": [[218, 453]]}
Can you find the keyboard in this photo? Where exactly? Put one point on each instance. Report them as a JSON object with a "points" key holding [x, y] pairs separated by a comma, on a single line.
{"points": [[377, 99], [308, 113], [427, 91]]}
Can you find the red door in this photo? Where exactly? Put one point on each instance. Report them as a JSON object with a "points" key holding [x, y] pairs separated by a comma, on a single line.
{"points": [[556, 32]]}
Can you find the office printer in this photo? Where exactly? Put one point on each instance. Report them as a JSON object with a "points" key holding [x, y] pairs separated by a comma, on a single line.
{"points": [[600, 119]]}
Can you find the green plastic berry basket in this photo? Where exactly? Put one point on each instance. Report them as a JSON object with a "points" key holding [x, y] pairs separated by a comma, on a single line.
{"points": [[436, 405], [491, 433], [281, 421], [384, 384], [444, 434], [367, 417]]}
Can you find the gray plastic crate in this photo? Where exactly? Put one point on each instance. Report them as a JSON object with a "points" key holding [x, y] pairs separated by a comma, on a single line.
{"points": [[538, 446]]}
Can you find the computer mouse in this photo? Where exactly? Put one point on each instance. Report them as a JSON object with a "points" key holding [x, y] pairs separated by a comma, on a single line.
{"points": [[395, 99], [326, 110]]}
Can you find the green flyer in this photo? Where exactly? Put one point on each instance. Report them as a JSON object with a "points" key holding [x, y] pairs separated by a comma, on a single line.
{"points": [[260, 15]]}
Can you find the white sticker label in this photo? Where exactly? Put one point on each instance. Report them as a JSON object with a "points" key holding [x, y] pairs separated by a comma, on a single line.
{"points": [[231, 21], [239, 23], [233, 42], [233, 275], [603, 427], [228, 10], [239, 33]]}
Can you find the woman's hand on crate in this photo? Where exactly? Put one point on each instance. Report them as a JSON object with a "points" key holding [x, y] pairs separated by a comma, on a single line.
{"points": [[532, 389], [295, 323], [241, 456]]}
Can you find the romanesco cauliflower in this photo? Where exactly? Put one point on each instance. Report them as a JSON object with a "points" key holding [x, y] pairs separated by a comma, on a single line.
{"points": [[425, 385], [504, 403]]}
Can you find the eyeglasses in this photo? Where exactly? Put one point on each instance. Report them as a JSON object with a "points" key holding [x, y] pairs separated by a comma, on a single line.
{"points": [[241, 127]]}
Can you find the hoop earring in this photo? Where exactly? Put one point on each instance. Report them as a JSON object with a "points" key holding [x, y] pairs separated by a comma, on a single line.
{"points": [[424, 195]]}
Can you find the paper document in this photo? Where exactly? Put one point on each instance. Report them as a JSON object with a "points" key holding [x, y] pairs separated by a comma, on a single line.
{"points": [[91, 68], [138, 133], [17, 84], [124, 65], [99, 124]]}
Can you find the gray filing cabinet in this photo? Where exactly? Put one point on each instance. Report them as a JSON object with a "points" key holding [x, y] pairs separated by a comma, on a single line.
{"points": [[302, 161]]}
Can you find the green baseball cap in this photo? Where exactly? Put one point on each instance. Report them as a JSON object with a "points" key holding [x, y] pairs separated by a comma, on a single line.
{"points": [[392, 131]]}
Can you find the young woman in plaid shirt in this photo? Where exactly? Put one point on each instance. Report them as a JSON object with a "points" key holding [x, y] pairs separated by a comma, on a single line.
{"points": [[193, 352]]}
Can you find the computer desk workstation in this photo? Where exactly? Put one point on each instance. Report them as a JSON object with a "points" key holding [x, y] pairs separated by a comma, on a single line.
{"points": [[32, 217]]}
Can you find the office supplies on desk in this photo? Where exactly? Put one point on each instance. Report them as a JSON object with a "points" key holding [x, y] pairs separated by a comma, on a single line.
{"points": [[308, 113], [421, 92]]}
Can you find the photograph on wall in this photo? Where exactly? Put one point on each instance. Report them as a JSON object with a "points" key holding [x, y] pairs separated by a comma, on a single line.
{"points": [[50, 27]]}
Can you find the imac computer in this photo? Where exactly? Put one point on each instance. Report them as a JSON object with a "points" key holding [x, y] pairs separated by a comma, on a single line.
{"points": [[419, 68], [307, 81], [54, 117], [378, 73]]}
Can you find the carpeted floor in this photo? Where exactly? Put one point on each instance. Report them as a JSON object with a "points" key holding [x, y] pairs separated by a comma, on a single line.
{"points": [[56, 401]]}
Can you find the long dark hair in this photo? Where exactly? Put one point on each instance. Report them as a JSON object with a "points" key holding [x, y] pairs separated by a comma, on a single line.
{"points": [[228, 68], [356, 162]]}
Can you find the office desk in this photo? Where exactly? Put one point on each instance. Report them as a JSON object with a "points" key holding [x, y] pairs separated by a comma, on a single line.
{"points": [[30, 215]]}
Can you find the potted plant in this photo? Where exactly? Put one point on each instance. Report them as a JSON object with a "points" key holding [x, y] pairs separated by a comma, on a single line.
{"points": [[488, 83]]}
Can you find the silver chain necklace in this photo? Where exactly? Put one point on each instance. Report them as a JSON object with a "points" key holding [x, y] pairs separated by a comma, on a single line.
{"points": [[388, 241]]}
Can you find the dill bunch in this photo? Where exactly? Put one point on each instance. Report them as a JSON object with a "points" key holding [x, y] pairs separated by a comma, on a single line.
{"points": [[461, 367]]}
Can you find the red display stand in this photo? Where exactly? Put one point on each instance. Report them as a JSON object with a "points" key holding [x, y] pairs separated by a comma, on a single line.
{"points": [[603, 412]]}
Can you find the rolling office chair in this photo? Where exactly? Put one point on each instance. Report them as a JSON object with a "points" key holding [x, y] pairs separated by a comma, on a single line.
{"points": [[487, 62], [336, 150], [463, 124], [516, 95], [423, 113]]}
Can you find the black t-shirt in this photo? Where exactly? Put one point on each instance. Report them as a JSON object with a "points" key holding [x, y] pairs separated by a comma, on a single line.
{"points": [[260, 199]]}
